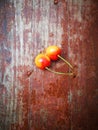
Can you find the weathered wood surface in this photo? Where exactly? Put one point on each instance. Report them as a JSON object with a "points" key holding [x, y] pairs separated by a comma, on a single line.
{"points": [[45, 101]]}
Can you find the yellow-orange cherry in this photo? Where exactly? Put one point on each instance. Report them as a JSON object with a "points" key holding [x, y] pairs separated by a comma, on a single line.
{"points": [[42, 61], [52, 52]]}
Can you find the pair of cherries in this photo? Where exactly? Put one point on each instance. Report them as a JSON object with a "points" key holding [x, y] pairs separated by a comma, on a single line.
{"points": [[43, 60]]}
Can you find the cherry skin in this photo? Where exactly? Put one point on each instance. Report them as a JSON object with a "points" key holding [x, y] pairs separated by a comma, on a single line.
{"points": [[42, 61], [52, 52]]}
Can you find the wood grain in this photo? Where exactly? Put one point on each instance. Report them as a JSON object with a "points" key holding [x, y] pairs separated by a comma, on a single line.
{"points": [[33, 99]]}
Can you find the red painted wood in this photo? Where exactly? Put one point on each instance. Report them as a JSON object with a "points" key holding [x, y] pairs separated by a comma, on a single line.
{"points": [[33, 99]]}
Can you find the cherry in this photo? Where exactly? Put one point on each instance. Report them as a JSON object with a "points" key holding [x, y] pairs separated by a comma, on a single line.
{"points": [[52, 52], [42, 61]]}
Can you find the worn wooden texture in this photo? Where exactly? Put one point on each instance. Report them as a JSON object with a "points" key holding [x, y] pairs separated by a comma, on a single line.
{"points": [[42, 100]]}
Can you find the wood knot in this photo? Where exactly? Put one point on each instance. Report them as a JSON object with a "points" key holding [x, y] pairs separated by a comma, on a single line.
{"points": [[55, 1]]}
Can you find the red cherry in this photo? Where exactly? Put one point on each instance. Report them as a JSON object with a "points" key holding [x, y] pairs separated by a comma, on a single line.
{"points": [[52, 52], [42, 61]]}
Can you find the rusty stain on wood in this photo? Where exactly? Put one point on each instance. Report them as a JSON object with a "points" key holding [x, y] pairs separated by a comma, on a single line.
{"points": [[31, 99]]}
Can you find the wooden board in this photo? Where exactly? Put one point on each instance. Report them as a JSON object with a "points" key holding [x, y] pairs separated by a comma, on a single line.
{"points": [[34, 99]]}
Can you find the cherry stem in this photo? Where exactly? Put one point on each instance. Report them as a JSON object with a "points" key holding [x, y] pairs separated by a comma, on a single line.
{"points": [[65, 61], [55, 72]]}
